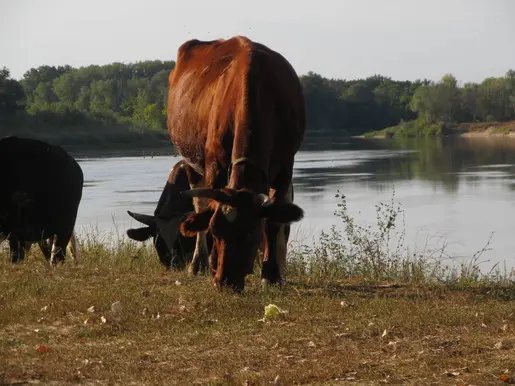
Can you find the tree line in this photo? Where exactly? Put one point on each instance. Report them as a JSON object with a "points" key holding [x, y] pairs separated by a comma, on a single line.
{"points": [[133, 97]]}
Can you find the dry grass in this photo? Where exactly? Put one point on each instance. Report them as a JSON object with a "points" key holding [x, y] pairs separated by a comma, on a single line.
{"points": [[177, 329]]}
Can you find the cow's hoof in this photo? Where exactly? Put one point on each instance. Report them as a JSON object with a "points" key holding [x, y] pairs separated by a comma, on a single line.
{"points": [[193, 269]]}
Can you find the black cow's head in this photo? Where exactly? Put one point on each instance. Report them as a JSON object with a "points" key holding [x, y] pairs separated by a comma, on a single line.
{"points": [[173, 249]]}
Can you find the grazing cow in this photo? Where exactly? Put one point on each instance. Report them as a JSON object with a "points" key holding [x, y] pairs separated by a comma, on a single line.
{"points": [[236, 114], [173, 249], [41, 196]]}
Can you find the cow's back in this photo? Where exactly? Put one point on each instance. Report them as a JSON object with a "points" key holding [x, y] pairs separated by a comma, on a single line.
{"points": [[277, 103], [218, 87]]}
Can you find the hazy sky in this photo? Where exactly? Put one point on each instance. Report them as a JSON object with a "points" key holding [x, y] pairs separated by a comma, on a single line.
{"points": [[403, 39]]}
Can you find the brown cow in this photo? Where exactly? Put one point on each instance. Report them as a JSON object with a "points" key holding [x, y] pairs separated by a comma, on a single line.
{"points": [[236, 114]]}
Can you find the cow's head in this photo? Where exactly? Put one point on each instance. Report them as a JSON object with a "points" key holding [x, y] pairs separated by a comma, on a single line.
{"points": [[235, 219], [173, 249]]}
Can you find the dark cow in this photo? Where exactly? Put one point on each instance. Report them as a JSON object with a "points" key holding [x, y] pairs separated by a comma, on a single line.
{"points": [[40, 196], [173, 249], [236, 114]]}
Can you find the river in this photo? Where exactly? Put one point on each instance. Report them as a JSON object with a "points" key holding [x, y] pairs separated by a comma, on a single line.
{"points": [[457, 191]]}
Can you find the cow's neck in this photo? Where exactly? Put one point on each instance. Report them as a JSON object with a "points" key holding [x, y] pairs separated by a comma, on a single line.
{"points": [[244, 172]]}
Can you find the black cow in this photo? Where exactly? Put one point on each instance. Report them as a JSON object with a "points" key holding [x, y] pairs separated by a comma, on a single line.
{"points": [[173, 249], [40, 195]]}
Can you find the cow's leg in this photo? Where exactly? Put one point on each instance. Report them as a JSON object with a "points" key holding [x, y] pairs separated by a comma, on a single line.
{"points": [[287, 227], [214, 177], [173, 258], [177, 260], [17, 249], [270, 272], [213, 261], [201, 254], [59, 245], [46, 247], [28, 244], [74, 249], [274, 259]]}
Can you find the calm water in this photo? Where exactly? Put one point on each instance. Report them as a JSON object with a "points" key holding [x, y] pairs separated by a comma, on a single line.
{"points": [[456, 191]]}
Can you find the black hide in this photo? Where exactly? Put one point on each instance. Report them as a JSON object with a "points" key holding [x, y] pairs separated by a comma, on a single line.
{"points": [[40, 194], [174, 250]]}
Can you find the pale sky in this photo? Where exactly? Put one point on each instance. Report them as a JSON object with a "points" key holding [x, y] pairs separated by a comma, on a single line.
{"points": [[347, 39]]}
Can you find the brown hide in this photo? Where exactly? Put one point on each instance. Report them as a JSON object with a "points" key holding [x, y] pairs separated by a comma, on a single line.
{"points": [[239, 91], [237, 101]]}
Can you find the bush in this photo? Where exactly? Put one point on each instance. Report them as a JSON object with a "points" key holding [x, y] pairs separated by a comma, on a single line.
{"points": [[412, 129], [379, 253]]}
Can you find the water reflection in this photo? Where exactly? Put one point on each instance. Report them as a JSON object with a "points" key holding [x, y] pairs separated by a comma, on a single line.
{"points": [[447, 162]]}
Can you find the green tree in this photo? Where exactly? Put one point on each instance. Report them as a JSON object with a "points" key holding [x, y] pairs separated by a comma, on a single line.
{"points": [[43, 98], [439, 101], [468, 98], [35, 76], [136, 94], [103, 96], [493, 100], [11, 93], [325, 111]]}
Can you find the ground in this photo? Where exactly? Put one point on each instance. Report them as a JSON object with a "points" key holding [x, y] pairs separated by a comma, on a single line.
{"points": [[486, 128], [465, 129], [62, 325]]}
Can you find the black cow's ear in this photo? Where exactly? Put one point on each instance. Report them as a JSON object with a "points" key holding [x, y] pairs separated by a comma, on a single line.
{"points": [[282, 212], [139, 234], [196, 222]]}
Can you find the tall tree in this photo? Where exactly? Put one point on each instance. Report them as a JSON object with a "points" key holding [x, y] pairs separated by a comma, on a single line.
{"points": [[11, 93]]}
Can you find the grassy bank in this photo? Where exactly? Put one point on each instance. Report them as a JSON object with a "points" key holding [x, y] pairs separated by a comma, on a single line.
{"points": [[360, 309], [420, 128], [60, 325]]}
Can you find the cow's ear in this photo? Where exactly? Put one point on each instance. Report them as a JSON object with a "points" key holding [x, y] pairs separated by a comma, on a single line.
{"points": [[139, 234], [282, 212], [196, 222]]}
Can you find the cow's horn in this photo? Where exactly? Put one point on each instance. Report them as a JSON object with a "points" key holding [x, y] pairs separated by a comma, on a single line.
{"points": [[214, 194], [143, 218]]}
